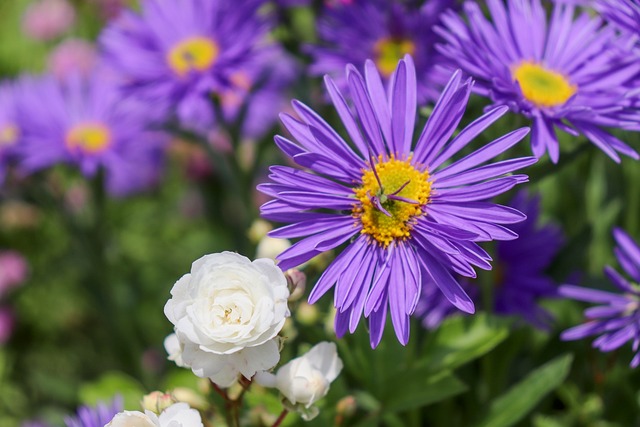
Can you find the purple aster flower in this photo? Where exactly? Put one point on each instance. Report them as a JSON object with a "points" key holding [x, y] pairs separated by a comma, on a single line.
{"points": [[9, 130], [175, 51], [519, 280], [623, 13], [86, 122], [617, 319], [257, 92], [97, 416], [384, 30], [560, 73], [408, 213]]}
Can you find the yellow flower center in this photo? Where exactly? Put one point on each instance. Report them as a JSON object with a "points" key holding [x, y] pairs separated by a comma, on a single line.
{"points": [[543, 87], [90, 138], [388, 51], [9, 135], [396, 223], [193, 54]]}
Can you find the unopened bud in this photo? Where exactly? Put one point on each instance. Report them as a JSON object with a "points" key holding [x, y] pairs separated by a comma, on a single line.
{"points": [[270, 247], [347, 406], [157, 401], [259, 228], [184, 394], [297, 281], [307, 314]]}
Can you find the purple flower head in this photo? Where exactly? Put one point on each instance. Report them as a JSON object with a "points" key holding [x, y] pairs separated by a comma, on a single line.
{"points": [[256, 91], [86, 122], [10, 134], [519, 279], [625, 14], [13, 270], [559, 72], [617, 319], [97, 416], [174, 51], [408, 213], [352, 32]]}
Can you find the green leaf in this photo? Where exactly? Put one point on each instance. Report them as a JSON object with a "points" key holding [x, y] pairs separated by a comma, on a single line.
{"points": [[512, 406], [460, 340], [110, 384], [415, 388]]}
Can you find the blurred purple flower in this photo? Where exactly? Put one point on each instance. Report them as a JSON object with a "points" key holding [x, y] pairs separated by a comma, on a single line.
{"points": [[519, 269], [48, 19], [617, 320], [384, 31], [97, 416], [407, 217], [72, 57], [176, 52], [86, 122], [10, 134], [623, 13], [13, 270], [558, 72]]}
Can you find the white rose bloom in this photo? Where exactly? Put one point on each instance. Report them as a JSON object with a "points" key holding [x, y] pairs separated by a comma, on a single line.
{"points": [[176, 415], [227, 313], [306, 379]]}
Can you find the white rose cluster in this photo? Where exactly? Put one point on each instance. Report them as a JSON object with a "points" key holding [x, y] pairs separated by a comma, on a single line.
{"points": [[227, 314], [306, 379], [176, 415]]}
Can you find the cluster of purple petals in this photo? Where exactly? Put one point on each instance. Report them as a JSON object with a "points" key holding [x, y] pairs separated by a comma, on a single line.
{"points": [[520, 279], [137, 45], [623, 13], [97, 416], [575, 45], [371, 279], [50, 108], [616, 318], [349, 31]]}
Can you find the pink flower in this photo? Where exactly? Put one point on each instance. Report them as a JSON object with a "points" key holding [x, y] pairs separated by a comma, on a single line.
{"points": [[13, 270], [72, 56], [48, 19]]}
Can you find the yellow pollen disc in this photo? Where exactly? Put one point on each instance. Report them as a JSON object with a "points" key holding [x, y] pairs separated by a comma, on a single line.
{"points": [[193, 54], [8, 135], [393, 174], [543, 87], [388, 51], [90, 138]]}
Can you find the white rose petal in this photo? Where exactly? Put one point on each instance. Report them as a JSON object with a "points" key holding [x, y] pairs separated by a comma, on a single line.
{"points": [[174, 349], [176, 415], [306, 379], [226, 314]]}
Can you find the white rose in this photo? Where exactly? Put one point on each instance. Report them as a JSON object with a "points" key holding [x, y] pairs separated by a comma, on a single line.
{"points": [[176, 415], [227, 313], [306, 379]]}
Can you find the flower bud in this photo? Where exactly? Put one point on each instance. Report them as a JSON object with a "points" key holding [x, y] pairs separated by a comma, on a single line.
{"points": [[157, 401], [296, 280], [270, 247]]}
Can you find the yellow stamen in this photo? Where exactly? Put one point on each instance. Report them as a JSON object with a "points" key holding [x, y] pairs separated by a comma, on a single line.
{"points": [[9, 135], [90, 138], [541, 86], [393, 174], [193, 54], [388, 51]]}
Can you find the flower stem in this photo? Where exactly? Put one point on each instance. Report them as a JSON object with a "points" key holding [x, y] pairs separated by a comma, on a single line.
{"points": [[281, 418]]}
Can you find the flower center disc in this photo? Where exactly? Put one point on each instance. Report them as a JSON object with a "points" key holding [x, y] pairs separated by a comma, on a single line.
{"points": [[544, 88], [8, 135], [89, 138], [393, 175], [388, 51], [193, 54]]}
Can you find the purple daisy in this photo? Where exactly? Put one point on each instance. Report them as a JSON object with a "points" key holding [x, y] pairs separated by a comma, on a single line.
{"points": [[97, 416], [384, 30], [623, 13], [175, 51], [9, 130], [519, 281], [409, 214], [617, 320], [560, 73], [85, 122]]}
